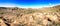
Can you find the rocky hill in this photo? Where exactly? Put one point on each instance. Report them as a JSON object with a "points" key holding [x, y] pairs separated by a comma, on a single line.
{"points": [[14, 16]]}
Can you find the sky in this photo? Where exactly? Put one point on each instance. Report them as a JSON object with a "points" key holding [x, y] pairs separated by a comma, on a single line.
{"points": [[29, 3]]}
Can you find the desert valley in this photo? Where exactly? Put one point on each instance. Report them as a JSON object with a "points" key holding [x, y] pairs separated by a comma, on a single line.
{"points": [[14, 16]]}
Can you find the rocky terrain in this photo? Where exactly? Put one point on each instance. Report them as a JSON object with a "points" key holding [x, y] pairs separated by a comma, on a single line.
{"points": [[14, 16]]}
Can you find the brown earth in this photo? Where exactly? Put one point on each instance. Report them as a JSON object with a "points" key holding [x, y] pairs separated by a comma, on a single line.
{"points": [[30, 17]]}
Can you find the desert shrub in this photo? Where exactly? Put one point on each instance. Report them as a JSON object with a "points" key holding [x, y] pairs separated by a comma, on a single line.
{"points": [[22, 24], [3, 8], [18, 25], [59, 9], [8, 20], [15, 8], [29, 11], [53, 24], [57, 24], [1, 13]]}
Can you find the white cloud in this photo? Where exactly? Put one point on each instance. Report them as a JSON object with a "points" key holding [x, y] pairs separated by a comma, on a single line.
{"points": [[16, 5], [7, 5], [50, 3], [40, 6]]}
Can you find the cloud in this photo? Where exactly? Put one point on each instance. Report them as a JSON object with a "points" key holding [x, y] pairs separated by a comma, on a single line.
{"points": [[22, 6], [7, 5], [50, 3]]}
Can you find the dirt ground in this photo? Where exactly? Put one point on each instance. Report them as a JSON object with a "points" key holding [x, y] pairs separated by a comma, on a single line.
{"points": [[30, 17]]}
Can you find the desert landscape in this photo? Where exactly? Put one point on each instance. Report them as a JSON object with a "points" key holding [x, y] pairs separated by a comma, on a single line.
{"points": [[14, 16]]}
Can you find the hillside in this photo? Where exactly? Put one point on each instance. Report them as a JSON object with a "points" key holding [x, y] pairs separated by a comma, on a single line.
{"points": [[14, 16]]}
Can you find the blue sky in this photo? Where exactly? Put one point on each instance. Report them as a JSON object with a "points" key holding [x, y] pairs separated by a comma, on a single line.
{"points": [[28, 3]]}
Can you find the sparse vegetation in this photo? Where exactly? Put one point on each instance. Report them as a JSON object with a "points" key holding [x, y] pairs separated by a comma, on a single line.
{"points": [[30, 17]]}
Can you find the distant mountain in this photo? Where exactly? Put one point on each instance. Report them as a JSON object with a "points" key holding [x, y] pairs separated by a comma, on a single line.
{"points": [[3, 8], [58, 6]]}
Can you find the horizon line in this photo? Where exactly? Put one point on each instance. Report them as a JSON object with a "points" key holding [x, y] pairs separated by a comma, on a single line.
{"points": [[15, 5]]}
